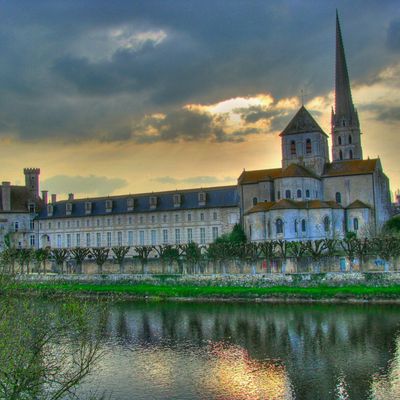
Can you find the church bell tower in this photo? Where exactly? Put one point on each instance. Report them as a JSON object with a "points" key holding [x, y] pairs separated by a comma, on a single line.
{"points": [[346, 134]]}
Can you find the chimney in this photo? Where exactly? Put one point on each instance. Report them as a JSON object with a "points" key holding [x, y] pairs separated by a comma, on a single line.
{"points": [[44, 197], [70, 196], [6, 196], [53, 198]]}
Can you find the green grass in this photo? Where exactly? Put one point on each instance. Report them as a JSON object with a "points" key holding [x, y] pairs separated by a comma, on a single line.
{"points": [[234, 292]]}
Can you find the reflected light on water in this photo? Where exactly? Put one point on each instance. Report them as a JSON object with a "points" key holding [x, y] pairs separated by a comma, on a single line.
{"points": [[387, 386], [235, 376]]}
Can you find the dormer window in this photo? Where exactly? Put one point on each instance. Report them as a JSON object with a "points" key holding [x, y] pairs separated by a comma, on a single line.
{"points": [[202, 198], [177, 200], [88, 207], [68, 208], [109, 205], [153, 202], [130, 203], [308, 146], [31, 207], [293, 148], [50, 210]]}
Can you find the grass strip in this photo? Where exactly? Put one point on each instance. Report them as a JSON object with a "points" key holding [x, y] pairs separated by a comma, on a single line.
{"points": [[164, 291]]}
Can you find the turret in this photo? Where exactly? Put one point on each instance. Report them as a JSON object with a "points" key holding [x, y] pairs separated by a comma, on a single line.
{"points": [[32, 181]]}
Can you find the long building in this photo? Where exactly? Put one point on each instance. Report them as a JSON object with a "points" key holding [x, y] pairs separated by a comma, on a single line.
{"points": [[307, 197]]}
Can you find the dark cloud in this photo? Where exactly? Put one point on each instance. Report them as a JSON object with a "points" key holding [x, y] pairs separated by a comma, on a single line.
{"points": [[388, 114], [64, 75], [195, 180], [90, 185], [393, 35]]}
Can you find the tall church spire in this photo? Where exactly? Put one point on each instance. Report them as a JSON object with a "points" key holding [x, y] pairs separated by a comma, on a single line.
{"points": [[345, 125]]}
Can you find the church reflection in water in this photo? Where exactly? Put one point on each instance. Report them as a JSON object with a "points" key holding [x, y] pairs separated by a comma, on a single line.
{"points": [[253, 351]]}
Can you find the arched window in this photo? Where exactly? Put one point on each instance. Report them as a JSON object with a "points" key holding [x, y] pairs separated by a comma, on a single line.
{"points": [[298, 193], [307, 194], [308, 146], [338, 197], [350, 139], [340, 155], [295, 225], [339, 139], [351, 154], [355, 224], [255, 201], [287, 194], [327, 224], [343, 122], [303, 225], [279, 226], [293, 148]]}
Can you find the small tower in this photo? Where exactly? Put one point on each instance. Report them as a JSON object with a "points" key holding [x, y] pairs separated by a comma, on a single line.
{"points": [[32, 181], [346, 134]]}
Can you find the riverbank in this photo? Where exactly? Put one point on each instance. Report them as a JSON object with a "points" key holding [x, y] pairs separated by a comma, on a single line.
{"points": [[167, 289]]}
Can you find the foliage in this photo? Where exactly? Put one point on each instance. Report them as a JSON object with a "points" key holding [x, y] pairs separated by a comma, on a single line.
{"points": [[100, 255], [60, 256], [236, 236], [45, 354], [41, 256], [392, 226]]}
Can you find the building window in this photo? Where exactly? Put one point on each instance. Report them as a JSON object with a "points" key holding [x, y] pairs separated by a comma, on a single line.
{"points": [[307, 194], [40, 225], [176, 218], [293, 148], [109, 243], [130, 238], [153, 237], [164, 218], [108, 222], [189, 217], [339, 139], [31, 208], [165, 236], [279, 226], [98, 239], [32, 240], [338, 197], [202, 235], [130, 220], [295, 225], [351, 154], [287, 194], [201, 216], [119, 238], [327, 224], [87, 223], [278, 195], [32, 224], [119, 220], [355, 224], [177, 236], [68, 224], [190, 235], [298, 193], [68, 240], [269, 228], [141, 219], [254, 201], [215, 233], [58, 225], [350, 139], [59, 241], [88, 240], [49, 225], [340, 155], [141, 238], [77, 223], [214, 215], [303, 225], [78, 240], [16, 226], [308, 146], [153, 219]]}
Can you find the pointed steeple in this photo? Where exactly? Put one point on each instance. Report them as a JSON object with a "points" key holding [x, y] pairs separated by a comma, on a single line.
{"points": [[344, 107], [346, 140]]}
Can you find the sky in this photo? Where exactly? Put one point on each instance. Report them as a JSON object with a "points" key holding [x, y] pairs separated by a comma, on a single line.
{"points": [[113, 97]]}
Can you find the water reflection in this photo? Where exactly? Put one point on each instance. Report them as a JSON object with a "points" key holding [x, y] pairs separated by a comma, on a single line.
{"points": [[221, 351]]}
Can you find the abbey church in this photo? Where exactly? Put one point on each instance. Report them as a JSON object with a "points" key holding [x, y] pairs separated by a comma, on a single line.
{"points": [[308, 197]]}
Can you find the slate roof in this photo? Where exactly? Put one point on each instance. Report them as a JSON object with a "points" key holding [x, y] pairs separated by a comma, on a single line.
{"points": [[357, 204], [226, 196], [19, 198], [288, 204], [351, 167], [302, 122]]}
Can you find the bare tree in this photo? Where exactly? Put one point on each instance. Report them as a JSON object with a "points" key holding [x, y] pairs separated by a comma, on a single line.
{"points": [[144, 253], [79, 254], [60, 256], [120, 253], [100, 255]]}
